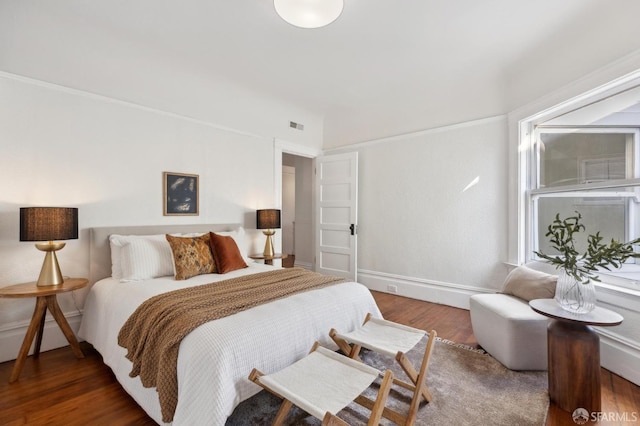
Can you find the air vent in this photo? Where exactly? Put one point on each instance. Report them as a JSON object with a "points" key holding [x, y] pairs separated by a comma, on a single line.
{"points": [[295, 125]]}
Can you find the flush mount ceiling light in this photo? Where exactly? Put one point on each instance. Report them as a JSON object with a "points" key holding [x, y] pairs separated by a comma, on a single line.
{"points": [[309, 13]]}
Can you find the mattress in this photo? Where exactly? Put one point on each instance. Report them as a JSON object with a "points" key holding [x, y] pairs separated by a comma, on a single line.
{"points": [[215, 359]]}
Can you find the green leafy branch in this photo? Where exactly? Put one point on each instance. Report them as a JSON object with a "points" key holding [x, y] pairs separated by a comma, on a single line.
{"points": [[583, 266]]}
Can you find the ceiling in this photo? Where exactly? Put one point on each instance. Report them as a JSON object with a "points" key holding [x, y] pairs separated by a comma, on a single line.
{"points": [[384, 67]]}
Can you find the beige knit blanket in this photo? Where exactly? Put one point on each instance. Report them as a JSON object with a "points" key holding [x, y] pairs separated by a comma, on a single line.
{"points": [[153, 333]]}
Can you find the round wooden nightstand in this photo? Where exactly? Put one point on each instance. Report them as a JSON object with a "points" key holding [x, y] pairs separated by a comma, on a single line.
{"points": [[573, 348], [45, 298], [268, 260]]}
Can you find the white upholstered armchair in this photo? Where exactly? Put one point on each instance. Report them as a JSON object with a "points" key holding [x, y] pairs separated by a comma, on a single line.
{"points": [[506, 327]]}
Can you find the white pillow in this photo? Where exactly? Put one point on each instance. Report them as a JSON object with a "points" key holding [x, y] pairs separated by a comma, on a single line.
{"points": [[115, 243], [528, 284], [140, 257], [143, 259]]}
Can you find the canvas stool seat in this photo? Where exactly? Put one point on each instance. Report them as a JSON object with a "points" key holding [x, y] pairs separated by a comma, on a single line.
{"points": [[394, 340], [322, 384]]}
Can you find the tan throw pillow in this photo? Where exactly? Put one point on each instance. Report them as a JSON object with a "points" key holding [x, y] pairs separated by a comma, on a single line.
{"points": [[191, 256], [226, 253], [529, 284]]}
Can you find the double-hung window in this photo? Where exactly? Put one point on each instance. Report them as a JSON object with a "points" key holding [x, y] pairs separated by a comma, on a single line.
{"points": [[594, 171]]}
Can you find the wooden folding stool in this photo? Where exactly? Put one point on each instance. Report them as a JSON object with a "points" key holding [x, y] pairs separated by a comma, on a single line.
{"points": [[394, 340], [322, 384]]}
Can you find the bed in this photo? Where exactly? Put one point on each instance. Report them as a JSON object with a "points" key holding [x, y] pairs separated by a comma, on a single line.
{"points": [[215, 359]]}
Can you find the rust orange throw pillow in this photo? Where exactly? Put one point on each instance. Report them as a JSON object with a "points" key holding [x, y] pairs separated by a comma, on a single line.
{"points": [[226, 253], [191, 256]]}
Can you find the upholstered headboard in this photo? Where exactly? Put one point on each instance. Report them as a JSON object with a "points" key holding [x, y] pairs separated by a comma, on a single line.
{"points": [[100, 251]]}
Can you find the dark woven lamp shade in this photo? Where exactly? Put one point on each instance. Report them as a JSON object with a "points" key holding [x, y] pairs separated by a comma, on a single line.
{"points": [[268, 219], [48, 223]]}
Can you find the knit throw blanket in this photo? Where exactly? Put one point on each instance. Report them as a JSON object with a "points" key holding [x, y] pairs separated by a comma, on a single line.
{"points": [[153, 333]]}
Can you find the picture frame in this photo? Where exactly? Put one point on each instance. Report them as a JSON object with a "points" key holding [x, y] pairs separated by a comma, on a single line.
{"points": [[181, 194]]}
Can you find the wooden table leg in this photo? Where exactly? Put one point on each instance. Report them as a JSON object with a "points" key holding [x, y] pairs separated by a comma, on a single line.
{"points": [[55, 310], [574, 366], [36, 349], [38, 314]]}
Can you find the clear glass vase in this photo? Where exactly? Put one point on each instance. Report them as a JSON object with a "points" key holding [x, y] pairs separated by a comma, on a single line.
{"points": [[574, 296]]}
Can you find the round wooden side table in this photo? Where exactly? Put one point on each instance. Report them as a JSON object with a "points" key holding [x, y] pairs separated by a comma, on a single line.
{"points": [[45, 298], [268, 260], [573, 349]]}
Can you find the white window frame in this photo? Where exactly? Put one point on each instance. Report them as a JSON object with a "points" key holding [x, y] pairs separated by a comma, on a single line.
{"points": [[579, 93], [627, 277]]}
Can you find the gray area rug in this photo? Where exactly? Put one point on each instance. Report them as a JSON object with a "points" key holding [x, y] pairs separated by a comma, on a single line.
{"points": [[469, 387]]}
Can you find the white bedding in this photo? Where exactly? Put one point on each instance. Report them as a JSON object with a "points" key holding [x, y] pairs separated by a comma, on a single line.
{"points": [[216, 358]]}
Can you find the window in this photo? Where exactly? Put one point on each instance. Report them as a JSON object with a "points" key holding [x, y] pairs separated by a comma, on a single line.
{"points": [[593, 170]]}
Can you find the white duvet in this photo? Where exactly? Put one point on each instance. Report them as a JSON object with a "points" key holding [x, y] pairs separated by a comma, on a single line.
{"points": [[216, 358]]}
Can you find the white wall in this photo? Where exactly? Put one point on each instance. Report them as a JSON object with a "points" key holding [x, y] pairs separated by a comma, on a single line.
{"points": [[418, 228], [63, 147]]}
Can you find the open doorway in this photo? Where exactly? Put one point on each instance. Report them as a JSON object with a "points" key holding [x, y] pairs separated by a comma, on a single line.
{"points": [[297, 211]]}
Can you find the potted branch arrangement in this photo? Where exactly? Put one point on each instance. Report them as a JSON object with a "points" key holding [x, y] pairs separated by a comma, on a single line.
{"points": [[575, 291]]}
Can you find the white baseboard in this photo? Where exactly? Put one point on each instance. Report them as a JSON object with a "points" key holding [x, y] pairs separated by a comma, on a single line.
{"points": [[617, 353], [417, 288], [11, 336], [305, 265]]}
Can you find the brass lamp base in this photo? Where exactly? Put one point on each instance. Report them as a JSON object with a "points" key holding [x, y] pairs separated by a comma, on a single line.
{"points": [[268, 245], [50, 273]]}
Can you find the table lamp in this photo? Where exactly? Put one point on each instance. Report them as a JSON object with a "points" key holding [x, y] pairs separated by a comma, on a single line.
{"points": [[49, 224], [268, 219]]}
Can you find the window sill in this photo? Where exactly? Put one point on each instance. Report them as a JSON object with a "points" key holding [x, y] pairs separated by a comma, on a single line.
{"points": [[618, 296]]}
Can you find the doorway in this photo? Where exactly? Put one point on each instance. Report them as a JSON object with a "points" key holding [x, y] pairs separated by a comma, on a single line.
{"points": [[297, 211]]}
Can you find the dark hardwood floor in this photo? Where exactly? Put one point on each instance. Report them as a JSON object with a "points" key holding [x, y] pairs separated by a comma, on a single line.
{"points": [[58, 389]]}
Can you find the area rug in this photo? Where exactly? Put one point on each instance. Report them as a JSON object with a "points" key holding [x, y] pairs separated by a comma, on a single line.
{"points": [[469, 387]]}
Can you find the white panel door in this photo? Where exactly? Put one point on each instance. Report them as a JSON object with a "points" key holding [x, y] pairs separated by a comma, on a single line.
{"points": [[337, 213]]}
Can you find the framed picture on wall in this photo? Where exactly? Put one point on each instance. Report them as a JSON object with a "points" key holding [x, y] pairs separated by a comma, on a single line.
{"points": [[180, 192]]}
